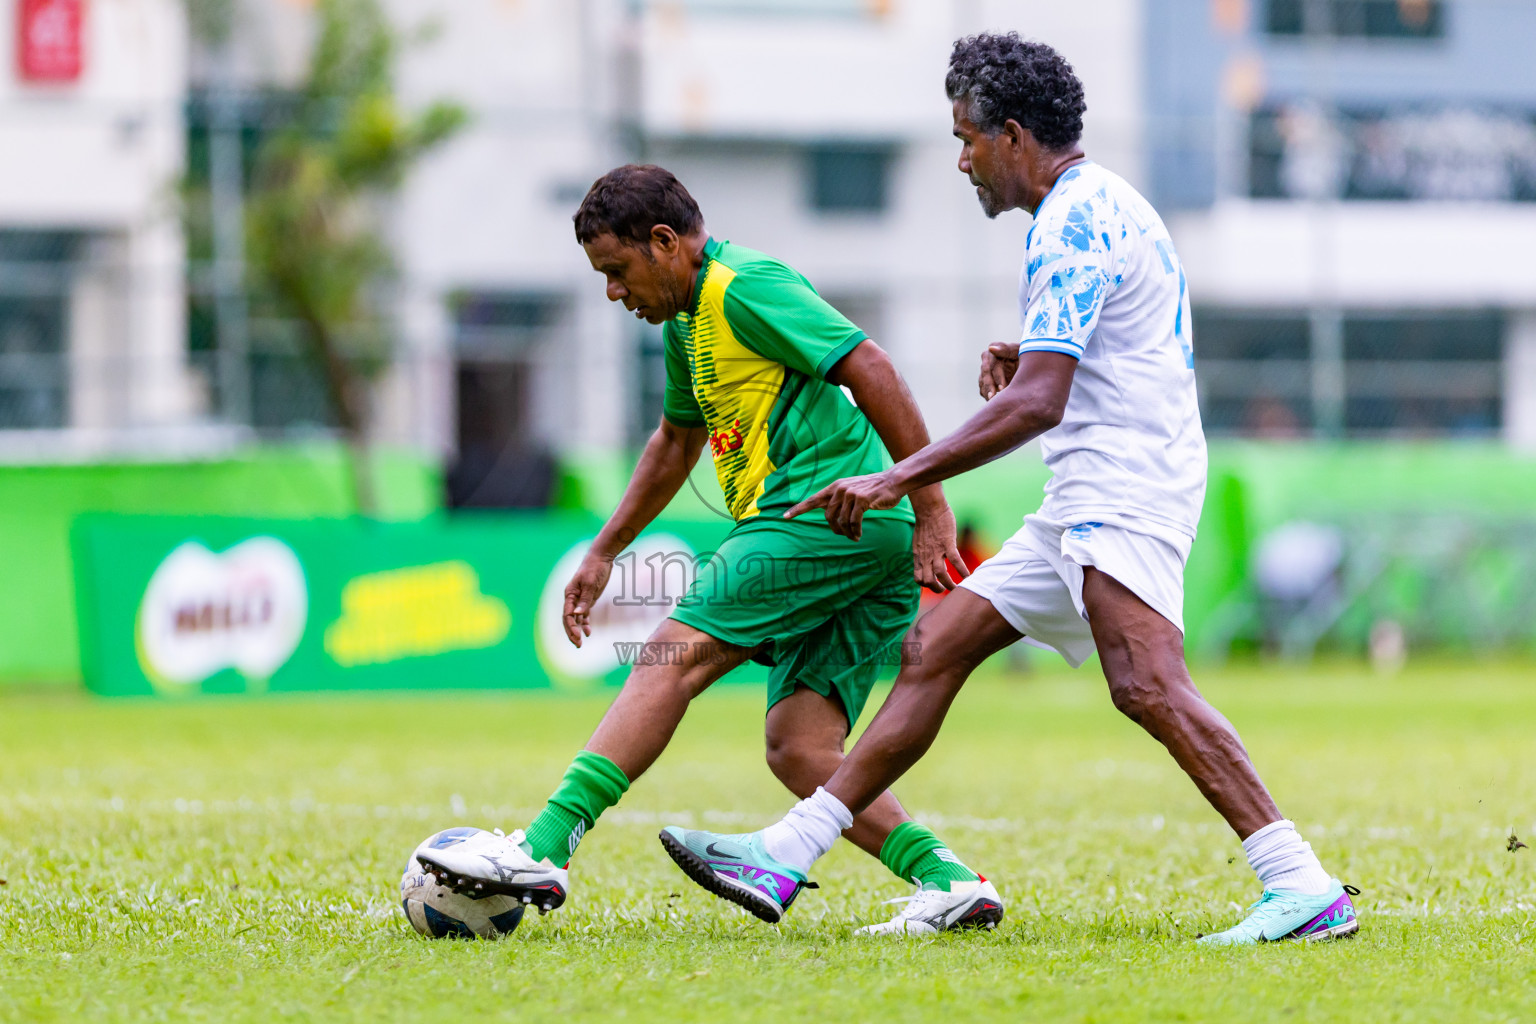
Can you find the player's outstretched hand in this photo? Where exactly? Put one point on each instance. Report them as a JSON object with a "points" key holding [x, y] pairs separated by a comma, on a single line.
{"points": [[933, 541], [581, 594], [847, 500], [998, 364]]}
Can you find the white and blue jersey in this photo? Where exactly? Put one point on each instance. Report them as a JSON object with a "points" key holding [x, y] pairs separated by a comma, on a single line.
{"points": [[1102, 283]]}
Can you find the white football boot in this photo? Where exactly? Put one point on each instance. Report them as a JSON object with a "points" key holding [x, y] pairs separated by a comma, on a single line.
{"points": [[928, 911], [480, 863]]}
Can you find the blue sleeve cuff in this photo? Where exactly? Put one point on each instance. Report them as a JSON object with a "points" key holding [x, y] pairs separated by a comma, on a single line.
{"points": [[1065, 346]]}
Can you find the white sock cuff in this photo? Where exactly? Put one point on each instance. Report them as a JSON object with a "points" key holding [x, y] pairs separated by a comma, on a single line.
{"points": [[1283, 860], [832, 807], [1269, 830]]}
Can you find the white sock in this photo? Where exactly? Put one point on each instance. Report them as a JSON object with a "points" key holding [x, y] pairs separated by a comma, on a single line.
{"points": [[1282, 860], [808, 831]]}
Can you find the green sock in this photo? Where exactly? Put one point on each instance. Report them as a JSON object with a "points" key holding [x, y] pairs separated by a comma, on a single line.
{"points": [[915, 854], [592, 784]]}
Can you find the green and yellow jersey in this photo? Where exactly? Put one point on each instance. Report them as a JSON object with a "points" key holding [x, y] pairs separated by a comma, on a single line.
{"points": [[748, 360]]}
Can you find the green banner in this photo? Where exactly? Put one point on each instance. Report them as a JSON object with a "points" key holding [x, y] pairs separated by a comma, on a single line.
{"points": [[179, 606]]}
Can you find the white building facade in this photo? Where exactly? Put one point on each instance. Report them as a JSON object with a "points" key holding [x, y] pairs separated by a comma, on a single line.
{"points": [[1349, 183], [817, 132], [93, 352], [1352, 186]]}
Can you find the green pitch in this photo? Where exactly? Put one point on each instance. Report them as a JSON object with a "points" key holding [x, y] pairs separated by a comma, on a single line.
{"points": [[237, 860]]}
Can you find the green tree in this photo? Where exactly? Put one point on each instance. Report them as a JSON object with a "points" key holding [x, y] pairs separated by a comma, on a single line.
{"points": [[312, 239], [314, 253]]}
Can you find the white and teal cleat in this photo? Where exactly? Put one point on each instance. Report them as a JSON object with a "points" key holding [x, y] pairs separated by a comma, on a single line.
{"points": [[931, 910], [473, 862], [1280, 915]]}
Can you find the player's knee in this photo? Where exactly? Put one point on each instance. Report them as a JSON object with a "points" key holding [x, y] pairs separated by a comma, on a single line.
{"points": [[794, 764], [1143, 696], [783, 759], [1133, 695]]}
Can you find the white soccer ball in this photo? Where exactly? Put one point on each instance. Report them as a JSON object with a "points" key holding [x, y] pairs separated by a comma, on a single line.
{"points": [[438, 912]]}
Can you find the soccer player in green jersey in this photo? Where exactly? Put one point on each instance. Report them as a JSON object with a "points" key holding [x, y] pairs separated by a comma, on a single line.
{"points": [[756, 365]]}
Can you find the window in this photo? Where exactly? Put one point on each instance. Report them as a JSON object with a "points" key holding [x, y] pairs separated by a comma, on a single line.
{"points": [[1357, 19], [848, 178], [1266, 373], [1421, 373], [1254, 371], [36, 278], [282, 388], [502, 340], [496, 326]]}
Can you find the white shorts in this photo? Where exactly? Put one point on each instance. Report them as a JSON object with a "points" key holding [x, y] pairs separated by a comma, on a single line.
{"points": [[1036, 581]]}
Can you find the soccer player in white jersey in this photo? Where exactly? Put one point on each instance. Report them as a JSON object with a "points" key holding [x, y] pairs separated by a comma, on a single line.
{"points": [[1104, 376]]}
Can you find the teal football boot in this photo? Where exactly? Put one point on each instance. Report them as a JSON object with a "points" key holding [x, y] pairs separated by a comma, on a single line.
{"points": [[736, 868], [1280, 915]]}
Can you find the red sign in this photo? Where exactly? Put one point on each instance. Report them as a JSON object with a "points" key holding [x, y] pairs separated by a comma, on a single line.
{"points": [[48, 39]]}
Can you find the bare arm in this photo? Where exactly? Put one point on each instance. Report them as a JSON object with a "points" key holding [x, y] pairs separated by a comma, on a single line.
{"points": [[1031, 403], [885, 400], [664, 466]]}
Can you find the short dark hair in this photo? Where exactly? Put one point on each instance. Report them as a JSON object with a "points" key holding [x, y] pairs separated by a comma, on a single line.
{"points": [[628, 201], [1005, 78]]}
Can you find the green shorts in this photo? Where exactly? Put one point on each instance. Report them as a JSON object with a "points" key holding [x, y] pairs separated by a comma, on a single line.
{"points": [[831, 611]]}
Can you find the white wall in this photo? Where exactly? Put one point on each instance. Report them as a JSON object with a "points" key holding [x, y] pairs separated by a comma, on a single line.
{"points": [[104, 155], [491, 209], [100, 152], [554, 88], [1386, 254], [726, 99]]}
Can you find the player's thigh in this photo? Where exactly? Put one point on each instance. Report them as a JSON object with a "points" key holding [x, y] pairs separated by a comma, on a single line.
{"points": [[1132, 636], [682, 657], [961, 632], [842, 658], [1024, 587]]}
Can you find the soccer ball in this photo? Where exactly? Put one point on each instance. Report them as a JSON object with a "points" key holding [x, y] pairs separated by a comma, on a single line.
{"points": [[438, 912]]}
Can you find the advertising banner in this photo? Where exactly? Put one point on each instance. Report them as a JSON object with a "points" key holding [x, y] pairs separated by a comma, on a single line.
{"points": [[178, 606]]}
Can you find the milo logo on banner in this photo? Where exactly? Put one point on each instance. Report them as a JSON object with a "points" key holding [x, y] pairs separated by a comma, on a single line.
{"points": [[648, 580], [203, 613]]}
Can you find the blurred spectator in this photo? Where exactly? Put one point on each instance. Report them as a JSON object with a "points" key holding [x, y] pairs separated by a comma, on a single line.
{"points": [[1270, 417], [1297, 572]]}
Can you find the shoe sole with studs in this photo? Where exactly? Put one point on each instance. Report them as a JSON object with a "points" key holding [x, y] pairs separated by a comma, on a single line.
{"points": [[542, 896], [698, 869]]}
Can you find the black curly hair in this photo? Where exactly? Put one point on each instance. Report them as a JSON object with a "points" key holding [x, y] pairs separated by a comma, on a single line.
{"points": [[1006, 78], [628, 201]]}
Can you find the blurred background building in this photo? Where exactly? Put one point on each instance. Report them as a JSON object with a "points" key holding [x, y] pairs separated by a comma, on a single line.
{"points": [[1351, 184]]}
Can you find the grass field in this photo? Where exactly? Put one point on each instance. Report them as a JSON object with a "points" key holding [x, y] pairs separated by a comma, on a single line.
{"points": [[238, 860]]}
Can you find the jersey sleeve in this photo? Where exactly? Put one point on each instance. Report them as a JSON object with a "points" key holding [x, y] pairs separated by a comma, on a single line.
{"points": [[777, 314], [1069, 273], [677, 402]]}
